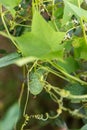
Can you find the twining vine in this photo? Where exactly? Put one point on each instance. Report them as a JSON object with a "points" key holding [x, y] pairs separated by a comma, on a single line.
{"points": [[36, 73], [57, 95]]}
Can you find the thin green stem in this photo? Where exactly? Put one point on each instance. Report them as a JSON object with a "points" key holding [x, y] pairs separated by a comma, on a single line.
{"points": [[22, 25], [70, 77], [28, 88], [2, 17], [22, 88], [53, 9], [74, 112], [79, 3], [53, 17], [25, 107], [82, 25], [63, 93], [53, 72], [4, 34], [77, 96], [83, 29]]}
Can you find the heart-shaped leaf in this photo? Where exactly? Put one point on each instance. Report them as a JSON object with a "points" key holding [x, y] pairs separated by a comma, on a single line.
{"points": [[42, 41]]}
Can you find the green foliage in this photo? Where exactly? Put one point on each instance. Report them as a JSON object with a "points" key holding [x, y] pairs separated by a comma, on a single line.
{"points": [[9, 59], [78, 11], [42, 41], [76, 89], [9, 4], [67, 66], [71, 9], [84, 127], [50, 38], [10, 119]]}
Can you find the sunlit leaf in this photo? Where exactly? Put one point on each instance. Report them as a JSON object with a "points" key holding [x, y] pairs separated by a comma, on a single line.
{"points": [[78, 11], [10, 4], [71, 9], [42, 41], [75, 2]]}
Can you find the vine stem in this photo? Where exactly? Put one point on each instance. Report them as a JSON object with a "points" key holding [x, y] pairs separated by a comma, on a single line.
{"points": [[60, 102], [79, 3], [53, 17], [22, 87], [81, 22], [67, 74], [27, 94], [74, 112], [2, 17], [27, 98], [64, 93], [77, 96], [21, 94], [52, 9], [53, 72], [4, 34], [26, 102]]}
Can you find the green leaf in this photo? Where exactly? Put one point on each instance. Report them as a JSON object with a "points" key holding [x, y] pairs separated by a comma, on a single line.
{"points": [[69, 64], [10, 4], [75, 2], [10, 118], [84, 127], [76, 89], [9, 59], [80, 48], [42, 41], [78, 11], [71, 9], [83, 54]]}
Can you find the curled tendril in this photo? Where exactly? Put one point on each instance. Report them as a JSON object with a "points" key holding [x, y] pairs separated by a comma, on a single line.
{"points": [[45, 117], [25, 122], [39, 117], [52, 117]]}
